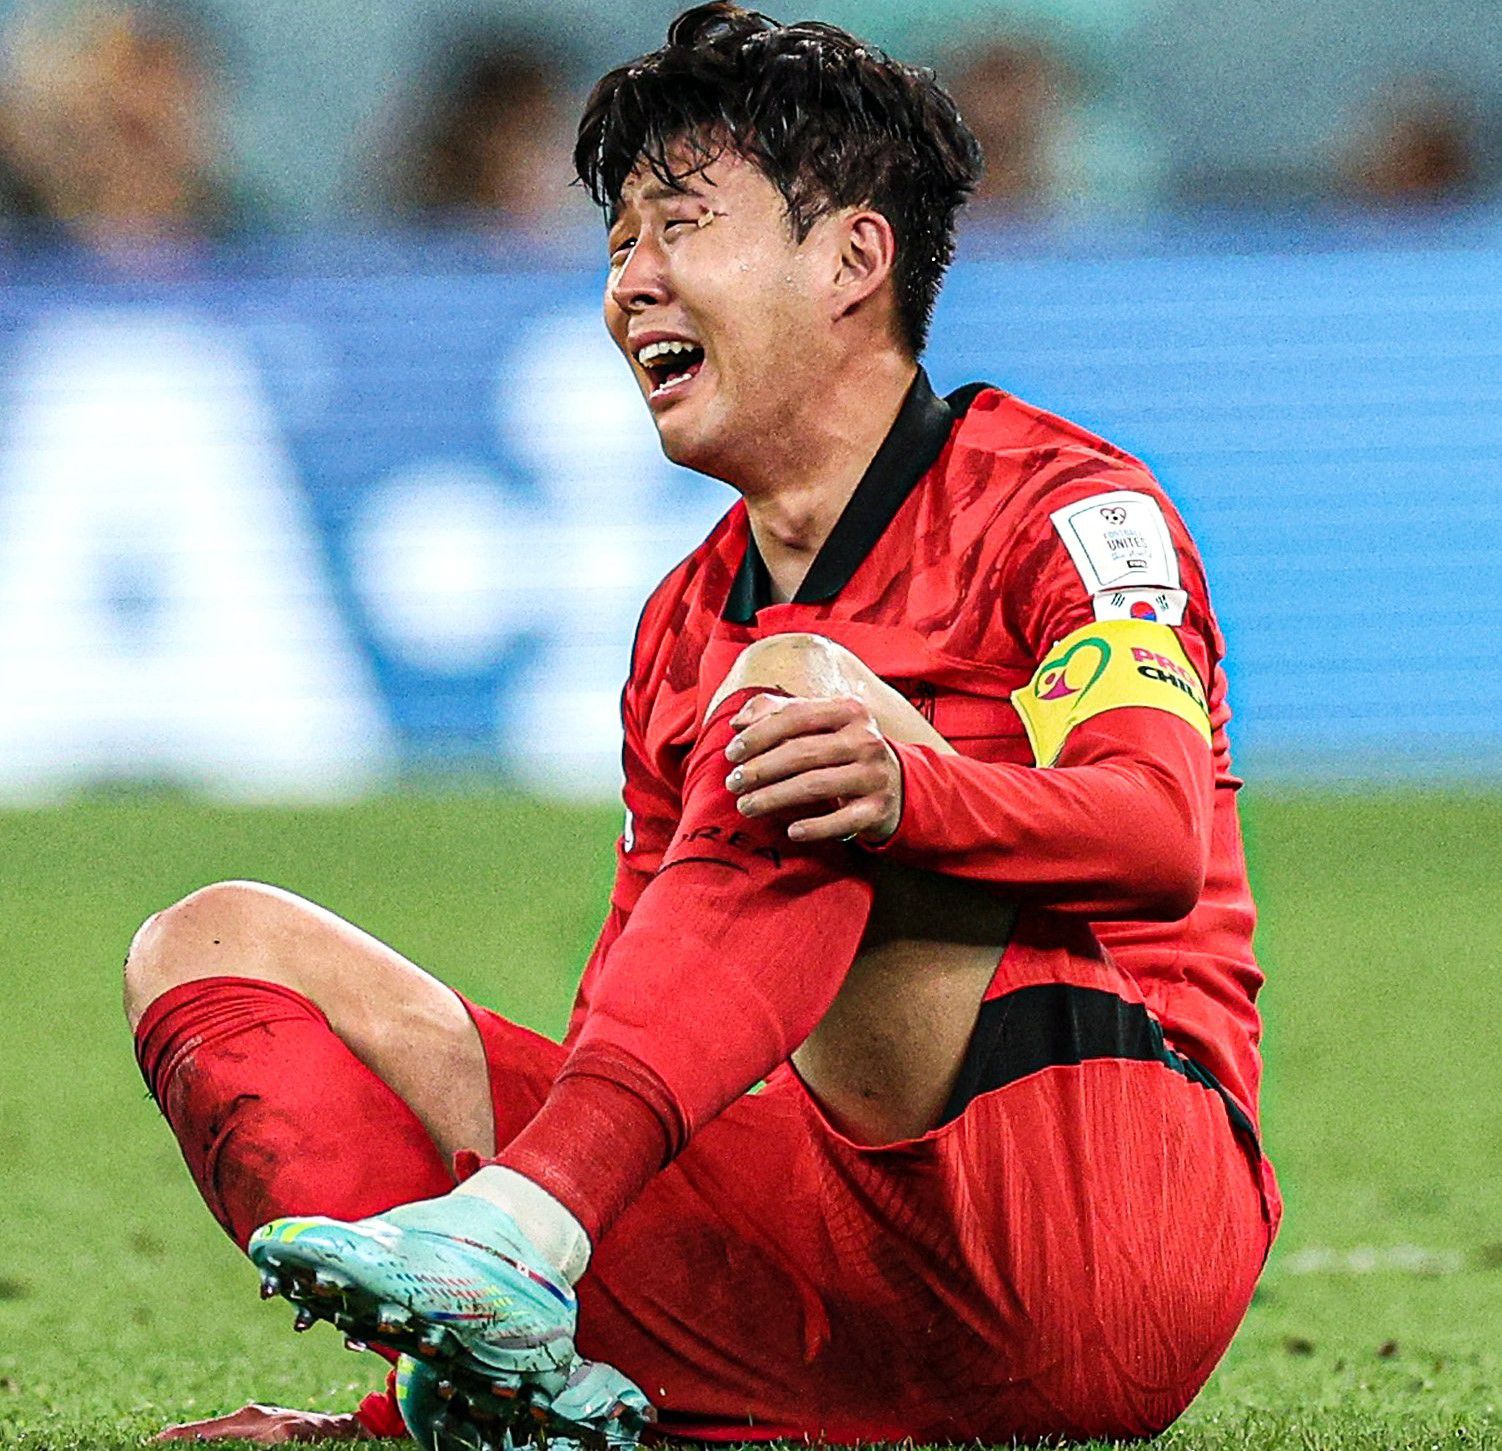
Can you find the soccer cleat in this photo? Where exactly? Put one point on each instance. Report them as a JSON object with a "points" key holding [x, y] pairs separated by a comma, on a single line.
{"points": [[451, 1281], [598, 1398], [597, 1409]]}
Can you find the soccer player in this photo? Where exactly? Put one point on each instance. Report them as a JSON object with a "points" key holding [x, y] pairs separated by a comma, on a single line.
{"points": [[911, 1088]]}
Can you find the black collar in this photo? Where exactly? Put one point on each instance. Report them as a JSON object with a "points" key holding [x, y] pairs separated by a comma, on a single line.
{"points": [[916, 440]]}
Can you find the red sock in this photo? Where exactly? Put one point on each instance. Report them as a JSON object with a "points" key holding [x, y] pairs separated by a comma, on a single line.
{"points": [[273, 1112], [733, 954]]}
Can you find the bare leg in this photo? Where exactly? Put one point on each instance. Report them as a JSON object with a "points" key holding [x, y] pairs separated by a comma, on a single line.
{"points": [[401, 1022], [884, 1059]]}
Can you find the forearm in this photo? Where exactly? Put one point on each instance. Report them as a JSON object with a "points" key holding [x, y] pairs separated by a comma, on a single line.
{"points": [[1118, 827]]}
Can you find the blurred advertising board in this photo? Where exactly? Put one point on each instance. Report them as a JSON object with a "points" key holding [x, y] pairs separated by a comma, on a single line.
{"points": [[289, 521]]}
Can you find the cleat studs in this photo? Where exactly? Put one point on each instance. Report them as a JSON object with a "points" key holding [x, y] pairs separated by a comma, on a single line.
{"points": [[304, 1319], [350, 1343], [270, 1287], [392, 1318], [503, 1392], [444, 1390]]}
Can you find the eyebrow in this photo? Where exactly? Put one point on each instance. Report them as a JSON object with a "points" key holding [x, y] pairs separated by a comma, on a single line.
{"points": [[659, 192], [655, 191]]}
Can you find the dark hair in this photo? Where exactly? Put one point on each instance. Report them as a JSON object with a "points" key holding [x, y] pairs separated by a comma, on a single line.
{"points": [[829, 121]]}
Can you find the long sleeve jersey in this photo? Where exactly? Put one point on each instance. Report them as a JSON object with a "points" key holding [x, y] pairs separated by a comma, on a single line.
{"points": [[986, 555]]}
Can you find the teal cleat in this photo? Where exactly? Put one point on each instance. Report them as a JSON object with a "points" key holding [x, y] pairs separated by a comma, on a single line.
{"points": [[452, 1282], [597, 1409]]}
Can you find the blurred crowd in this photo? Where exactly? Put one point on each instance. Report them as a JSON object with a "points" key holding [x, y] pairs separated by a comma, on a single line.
{"points": [[114, 131], [110, 128]]}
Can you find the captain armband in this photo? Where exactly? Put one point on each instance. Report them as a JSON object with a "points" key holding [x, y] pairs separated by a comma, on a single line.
{"points": [[1104, 666]]}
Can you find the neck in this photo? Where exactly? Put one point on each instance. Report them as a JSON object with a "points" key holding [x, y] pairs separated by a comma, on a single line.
{"points": [[801, 485]]}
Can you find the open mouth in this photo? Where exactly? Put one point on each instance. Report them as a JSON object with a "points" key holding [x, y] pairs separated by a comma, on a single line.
{"points": [[670, 365]]}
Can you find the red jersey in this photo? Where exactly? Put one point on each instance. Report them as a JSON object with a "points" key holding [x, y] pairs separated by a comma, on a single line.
{"points": [[984, 532]]}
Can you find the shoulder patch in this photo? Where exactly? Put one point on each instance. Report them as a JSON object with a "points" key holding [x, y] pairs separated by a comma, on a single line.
{"points": [[1118, 540], [1166, 606]]}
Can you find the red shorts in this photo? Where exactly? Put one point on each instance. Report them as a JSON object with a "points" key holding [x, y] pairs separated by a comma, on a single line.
{"points": [[1067, 1256]]}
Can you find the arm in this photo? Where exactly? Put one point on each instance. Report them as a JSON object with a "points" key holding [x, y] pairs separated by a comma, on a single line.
{"points": [[1118, 826], [1118, 823]]}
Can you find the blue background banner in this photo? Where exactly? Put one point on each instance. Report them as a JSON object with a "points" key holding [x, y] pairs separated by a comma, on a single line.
{"points": [[282, 521]]}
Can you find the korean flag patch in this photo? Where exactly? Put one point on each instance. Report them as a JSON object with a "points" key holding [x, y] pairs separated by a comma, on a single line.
{"points": [[1163, 606], [1119, 541]]}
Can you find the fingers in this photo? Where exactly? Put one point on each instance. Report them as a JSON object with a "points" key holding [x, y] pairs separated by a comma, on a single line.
{"points": [[853, 746], [783, 717], [791, 755], [866, 818], [867, 803], [810, 788], [758, 707]]}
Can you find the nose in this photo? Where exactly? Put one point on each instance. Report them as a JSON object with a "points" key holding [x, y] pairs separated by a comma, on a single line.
{"points": [[641, 282]]}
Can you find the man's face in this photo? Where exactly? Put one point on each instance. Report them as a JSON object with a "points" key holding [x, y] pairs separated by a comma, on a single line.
{"points": [[724, 319]]}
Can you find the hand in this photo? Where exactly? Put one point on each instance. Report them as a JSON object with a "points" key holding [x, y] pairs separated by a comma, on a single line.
{"points": [[824, 763], [269, 1426]]}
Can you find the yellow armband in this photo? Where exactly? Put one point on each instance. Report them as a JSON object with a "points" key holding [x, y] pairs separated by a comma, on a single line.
{"points": [[1102, 667]]}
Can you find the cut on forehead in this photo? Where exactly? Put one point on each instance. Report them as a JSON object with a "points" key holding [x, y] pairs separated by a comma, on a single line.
{"points": [[828, 120]]}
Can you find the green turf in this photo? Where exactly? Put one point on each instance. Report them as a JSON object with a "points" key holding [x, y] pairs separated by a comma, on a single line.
{"points": [[1380, 1320]]}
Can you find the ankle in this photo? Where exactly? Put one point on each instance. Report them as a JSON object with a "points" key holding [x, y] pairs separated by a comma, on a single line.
{"points": [[550, 1226]]}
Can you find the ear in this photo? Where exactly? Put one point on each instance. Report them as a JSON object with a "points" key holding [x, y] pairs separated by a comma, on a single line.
{"points": [[867, 254]]}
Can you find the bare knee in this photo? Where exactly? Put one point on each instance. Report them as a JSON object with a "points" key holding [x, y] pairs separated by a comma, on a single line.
{"points": [[224, 929], [814, 667], [798, 664]]}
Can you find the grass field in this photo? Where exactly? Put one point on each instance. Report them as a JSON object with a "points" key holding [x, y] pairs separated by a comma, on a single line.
{"points": [[1379, 1323]]}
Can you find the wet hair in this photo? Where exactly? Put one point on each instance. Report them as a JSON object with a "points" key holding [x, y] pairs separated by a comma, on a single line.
{"points": [[829, 121]]}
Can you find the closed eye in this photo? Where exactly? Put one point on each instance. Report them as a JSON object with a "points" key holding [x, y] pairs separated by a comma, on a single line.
{"points": [[621, 248]]}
